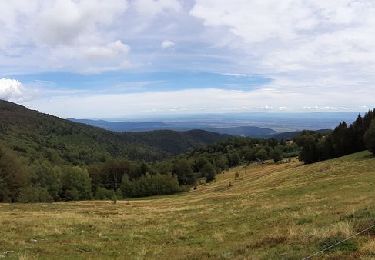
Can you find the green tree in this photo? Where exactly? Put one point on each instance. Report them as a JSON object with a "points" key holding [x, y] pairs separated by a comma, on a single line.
{"points": [[277, 154], [48, 177], [309, 142], [261, 154], [34, 194], [233, 159], [249, 154], [208, 171], [183, 169], [126, 186], [12, 176], [369, 138], [76, 184], [103, 194], [200, 163], [221, 162], [148, 185]]}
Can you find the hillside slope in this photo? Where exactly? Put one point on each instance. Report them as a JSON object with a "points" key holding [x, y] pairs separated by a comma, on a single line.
{"points": [[36, 135], [271, 211]]}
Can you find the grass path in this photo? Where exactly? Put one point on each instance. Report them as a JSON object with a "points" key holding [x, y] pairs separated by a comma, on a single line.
{"points": [[284, 211]]}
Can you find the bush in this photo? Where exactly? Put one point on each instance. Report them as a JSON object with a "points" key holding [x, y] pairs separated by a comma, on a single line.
{"points": [[104, 194], [277, 154], [261, 154], [149, 185], [34, 194], [208, 171], [234, 159], [183, 169]]}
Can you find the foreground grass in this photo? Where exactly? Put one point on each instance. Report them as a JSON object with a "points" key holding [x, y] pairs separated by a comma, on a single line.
{"points": [[284, 211]]}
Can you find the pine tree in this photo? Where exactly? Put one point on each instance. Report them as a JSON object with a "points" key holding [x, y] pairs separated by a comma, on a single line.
{"points": [[369, 137]]}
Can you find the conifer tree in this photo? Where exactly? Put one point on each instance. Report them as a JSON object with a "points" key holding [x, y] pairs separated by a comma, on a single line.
{"points": [[369, 137]]}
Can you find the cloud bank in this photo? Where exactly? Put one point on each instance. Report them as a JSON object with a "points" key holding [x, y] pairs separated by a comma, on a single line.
{"points": [[306, 46], [319, 54], [61, 35]]}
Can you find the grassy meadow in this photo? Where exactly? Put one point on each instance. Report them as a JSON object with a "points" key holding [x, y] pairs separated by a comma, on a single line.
{"points": [[271, 211]]}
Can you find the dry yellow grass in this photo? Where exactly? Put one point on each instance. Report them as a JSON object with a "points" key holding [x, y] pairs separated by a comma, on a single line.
{"points": [[273, 211]]}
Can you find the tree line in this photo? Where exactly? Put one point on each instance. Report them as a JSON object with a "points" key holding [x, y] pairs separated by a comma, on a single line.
{"points": [[343, 140], [40, 179], [44, 181]]}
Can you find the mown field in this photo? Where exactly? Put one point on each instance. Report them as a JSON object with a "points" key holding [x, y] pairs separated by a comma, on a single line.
{"points": [[272, 211]]}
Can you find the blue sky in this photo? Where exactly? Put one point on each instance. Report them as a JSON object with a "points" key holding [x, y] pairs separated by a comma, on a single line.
{"points": [[120, 58], [127, 82]]}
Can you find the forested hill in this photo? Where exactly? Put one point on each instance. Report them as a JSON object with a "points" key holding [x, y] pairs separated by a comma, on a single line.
{"points": [[34, 135]]}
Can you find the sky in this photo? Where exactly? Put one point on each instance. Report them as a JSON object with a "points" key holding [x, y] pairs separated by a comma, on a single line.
{"points": [[129, 58]]}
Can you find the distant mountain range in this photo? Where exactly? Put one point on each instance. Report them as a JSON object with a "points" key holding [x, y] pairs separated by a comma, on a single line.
{"points": [[170, 127], [249, 131]]}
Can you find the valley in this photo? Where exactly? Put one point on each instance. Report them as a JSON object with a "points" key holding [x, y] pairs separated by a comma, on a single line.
{"points": [[268, 211]]}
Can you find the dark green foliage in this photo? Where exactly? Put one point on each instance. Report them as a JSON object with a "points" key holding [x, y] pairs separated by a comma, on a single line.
{"points": [[58, 160], [12, 176], [249, 154], [148, 185], [221, 163], [104, 194], [38, 136], [342, 141], [208, 171], [213, 159], [277, 154], [261, 154], [182, 168], [76, 184], [47, 177], [34, 194], [369, 138], [309, 141], [233, 159], [173, 142], [109, 174]]}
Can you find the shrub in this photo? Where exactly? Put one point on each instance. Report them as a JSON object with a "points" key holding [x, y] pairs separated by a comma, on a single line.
{"points": [[149, 185], [277, 154], [208, 171], [261, 154], [34, 194], [183, 169], [104, 194]]}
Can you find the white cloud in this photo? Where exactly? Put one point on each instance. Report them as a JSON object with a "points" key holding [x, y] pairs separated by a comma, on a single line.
{"points": [[189, 101], [152, 8], [10, 89], [110, 51], [320, 54], [63, 34], [167, 44], [68, 21], [310, 48]]}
